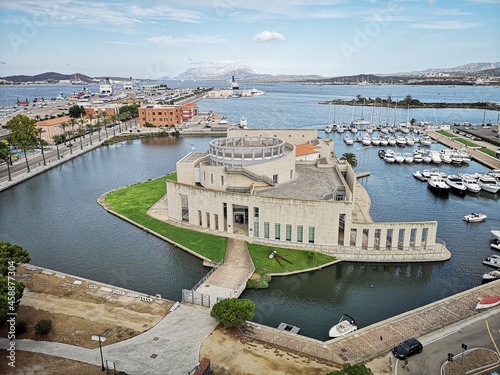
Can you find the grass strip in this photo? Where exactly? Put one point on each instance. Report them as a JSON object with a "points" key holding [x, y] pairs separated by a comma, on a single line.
{"points": [[134, 201], [300, 259]]}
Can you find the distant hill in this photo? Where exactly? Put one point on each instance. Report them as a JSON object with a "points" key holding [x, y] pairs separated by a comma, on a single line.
{"points": [[47, 77], [218, 72], [471, 68]]}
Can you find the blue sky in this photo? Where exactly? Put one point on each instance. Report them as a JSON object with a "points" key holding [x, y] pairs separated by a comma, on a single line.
{"points": [[150, 39]]}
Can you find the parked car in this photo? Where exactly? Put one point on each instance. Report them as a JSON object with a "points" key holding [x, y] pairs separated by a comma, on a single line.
{"points": [[407, 348]]}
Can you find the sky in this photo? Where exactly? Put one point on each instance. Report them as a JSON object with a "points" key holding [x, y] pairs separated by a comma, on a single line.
{"points": [[157, 38]]}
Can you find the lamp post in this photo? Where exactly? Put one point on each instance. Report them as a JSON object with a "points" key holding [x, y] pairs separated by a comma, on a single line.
{"points": [[100, 350]]}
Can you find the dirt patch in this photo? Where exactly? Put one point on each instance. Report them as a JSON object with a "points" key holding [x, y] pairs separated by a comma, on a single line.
{"points": [[234, 354], [41, 364], [471, 361]]}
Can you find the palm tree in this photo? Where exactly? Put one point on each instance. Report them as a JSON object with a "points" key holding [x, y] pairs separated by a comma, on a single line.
{"points": [[105, 121], [114, 120], [41, 141], [63, 125], [81, 131], [98, 126], [90, 126], [350, 158], [58, 138]]}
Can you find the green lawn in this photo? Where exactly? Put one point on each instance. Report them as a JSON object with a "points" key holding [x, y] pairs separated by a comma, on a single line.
{"points": [[134, 201], [446, 134], [488, 151], [466, 142], [301, 259]]}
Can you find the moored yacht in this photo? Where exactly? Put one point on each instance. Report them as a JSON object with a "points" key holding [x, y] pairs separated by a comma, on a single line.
{"points": [[456, 184], [488, 183], [437, 185]]}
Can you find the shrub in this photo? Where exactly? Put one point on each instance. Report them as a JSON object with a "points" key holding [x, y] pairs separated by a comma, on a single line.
{"points": [[43, 327], [21, 327], [233, 312]]}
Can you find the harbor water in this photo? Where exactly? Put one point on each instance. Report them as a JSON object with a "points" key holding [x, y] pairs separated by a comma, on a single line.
{"points": [[56, 218]]}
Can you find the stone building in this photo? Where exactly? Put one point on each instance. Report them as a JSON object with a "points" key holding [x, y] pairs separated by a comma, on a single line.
{"points": [[261, 184]]}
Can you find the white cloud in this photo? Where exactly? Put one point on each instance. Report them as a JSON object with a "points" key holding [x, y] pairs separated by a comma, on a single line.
{"points": [[182, 40], [267, 36], [451, 12], [445, 25]]}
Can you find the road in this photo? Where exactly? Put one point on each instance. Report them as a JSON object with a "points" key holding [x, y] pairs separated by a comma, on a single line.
{"points": [[474, 333]]}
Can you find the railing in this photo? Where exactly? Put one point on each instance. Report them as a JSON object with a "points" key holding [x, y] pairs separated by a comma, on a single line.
{"points": [[253, 176], [217, 265]]}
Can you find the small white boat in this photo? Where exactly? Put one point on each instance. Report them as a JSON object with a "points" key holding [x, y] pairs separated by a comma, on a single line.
{"points": [[418, 175], [475, 217], [389, 156], [408, 157], [492, 261], [492, 275], [243, 122], [345, 326], [456, 184], [488, 302], [348, 140], [398, 157]]}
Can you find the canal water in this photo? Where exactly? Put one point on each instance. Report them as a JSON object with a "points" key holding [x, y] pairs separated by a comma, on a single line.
{"points": [[56, 218]]}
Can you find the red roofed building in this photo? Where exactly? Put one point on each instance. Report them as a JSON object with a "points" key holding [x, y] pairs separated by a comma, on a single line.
{"points": [[167, 115]]}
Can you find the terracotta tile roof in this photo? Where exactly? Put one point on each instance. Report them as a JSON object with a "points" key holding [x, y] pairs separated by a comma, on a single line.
{"points": [[53, 121]]}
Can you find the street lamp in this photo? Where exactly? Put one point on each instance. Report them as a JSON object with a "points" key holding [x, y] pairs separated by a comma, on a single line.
{"points": [[100, 349]]}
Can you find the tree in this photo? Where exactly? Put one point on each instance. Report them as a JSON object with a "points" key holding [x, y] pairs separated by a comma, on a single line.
{"points": [[11, 290], [233, 312], [58, 139], [5, 155], [42, 143], [76, 111], [350, 158], [43, 327], [11, 253], [24, 134], [348, 369]]}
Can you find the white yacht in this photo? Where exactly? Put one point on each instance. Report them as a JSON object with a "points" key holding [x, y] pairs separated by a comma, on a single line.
{"points": [[408, 157], [445, 156], [456, 184], [243, 122], [398, 157], [470, 183], [488, 183], [437, 185], [389, 156], [348, 140], [401, 141], [435, 157]]}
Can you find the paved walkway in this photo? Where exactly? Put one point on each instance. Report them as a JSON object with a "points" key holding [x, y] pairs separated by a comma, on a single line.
{"points": [[171, 347], [229, 280]]}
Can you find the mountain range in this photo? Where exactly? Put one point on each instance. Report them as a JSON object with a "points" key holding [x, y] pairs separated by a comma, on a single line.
{"points": [[244, 72]]}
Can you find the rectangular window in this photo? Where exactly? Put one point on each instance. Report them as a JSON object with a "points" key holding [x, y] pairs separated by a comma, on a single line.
{"points": [[300, 233], [266, 230], [208, 220], [256, 212], [216, 221], [277, 231], [256, 229], [212, 178], [311, 234], [275, 178], [288, 232], [199, 218], [222, 180]]}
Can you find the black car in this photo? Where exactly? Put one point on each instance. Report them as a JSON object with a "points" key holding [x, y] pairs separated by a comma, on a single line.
{"points": [[407, 348]]}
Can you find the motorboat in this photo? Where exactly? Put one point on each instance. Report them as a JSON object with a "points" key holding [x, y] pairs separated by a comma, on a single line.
{"points": [[492, 275], [398, 157], [492, 261], [488, 183], [475, 217], [456, 184], [418, 175], [495, 244], [445, 157], [471, 184], [465, 155], [401, 141], [383, 141], [329, 128], [348, 140], [456, 159], [375, 141], [345, 326], [437, 185], [408, 157], [417, 158], [381, 154], [367, 140], [435, 157], [389, 156], [425, 140], [391, 141], [243, 122], [410, 141], [488, 302]]}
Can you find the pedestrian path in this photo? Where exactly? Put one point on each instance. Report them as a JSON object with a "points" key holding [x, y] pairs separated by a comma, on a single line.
{"points": [[170, 347], [229, 280]]}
